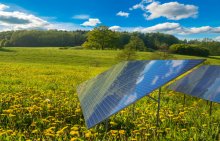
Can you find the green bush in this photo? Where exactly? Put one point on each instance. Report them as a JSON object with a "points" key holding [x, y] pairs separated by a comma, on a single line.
{"points": [[187, 49]]}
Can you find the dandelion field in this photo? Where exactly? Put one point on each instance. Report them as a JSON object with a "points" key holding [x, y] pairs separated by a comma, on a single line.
{"points": [[38, 101]]}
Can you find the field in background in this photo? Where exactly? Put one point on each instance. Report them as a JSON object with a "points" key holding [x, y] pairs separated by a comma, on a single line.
{"points": [[39, 100]]}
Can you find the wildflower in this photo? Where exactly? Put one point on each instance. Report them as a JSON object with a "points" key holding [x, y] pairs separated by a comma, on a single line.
{"points": [[75, 128], [113, 123], [73, 139], [113, 131], [73, 133], [88, 135], [78, 110], [122, 132]]}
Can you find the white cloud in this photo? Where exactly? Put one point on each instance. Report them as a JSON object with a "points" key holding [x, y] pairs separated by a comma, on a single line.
{"points": [[15, 20], [163, 27], [115, 28], [65, 26], [122, 14], [3, 7], [170, 10], [217, 38], [91, 22], [174, 28], [19, 19], [81, 17]]}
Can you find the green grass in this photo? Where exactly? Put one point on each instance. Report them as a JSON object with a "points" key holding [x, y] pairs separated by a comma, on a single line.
{"points": [[39, 100]]}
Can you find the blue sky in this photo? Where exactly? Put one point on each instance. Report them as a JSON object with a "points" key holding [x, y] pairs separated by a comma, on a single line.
{"points": [[182, 18]]}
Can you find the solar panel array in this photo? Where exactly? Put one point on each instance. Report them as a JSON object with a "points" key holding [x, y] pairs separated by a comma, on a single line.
{"points": [[126, 83], [204, 83]]}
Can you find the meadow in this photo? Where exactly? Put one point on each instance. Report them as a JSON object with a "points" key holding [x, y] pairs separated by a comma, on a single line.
{"points": [[39, 101]]}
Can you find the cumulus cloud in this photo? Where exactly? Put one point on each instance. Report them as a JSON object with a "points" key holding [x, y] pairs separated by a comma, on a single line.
{"points": [[15, 20], [170, 10], [81, 17], [115, 28], [163, 27], [91, 22], [11, 19], [217, 38], [176, 28], [122, 14], [3, 7]]}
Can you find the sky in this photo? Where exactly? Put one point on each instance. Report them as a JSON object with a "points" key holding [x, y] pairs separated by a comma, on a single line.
{"points": [[194, 19]]}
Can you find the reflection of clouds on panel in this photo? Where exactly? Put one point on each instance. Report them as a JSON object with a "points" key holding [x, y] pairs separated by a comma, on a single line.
{"points": [[140, 79], [149, 66], [154, 81], [130, 98], [177, 63], [213, 89], [203, 82], [175, 66]]}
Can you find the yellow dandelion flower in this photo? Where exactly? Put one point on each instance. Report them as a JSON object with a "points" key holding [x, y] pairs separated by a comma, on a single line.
{"points": [[122, 132], [73, 133], [88, 135], [78, 110], [75, 128], [113, 131], [73, 139], [9, 131], [113, 123]]}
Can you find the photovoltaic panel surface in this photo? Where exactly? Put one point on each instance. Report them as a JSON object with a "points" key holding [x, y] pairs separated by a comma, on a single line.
{"points": [[203, 82], [126, 83]]}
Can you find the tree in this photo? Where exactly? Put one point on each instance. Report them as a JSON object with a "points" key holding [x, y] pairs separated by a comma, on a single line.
{"points": [[187, 49], [128, 53], [102, 37], [137, 43]]}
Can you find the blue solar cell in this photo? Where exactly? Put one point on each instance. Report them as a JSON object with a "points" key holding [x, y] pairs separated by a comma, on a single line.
{"points": [[126, 83], [203, 82]]}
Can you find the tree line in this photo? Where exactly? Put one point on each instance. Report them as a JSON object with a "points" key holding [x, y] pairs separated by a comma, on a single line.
{"points": [[102, 38]]}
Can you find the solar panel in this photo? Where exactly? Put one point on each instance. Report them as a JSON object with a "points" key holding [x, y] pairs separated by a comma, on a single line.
{"points": [[204, 83], [125, 83]]}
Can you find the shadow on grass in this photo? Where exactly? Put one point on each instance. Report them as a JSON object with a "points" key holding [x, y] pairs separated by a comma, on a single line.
{"points": [[6, 50], [213, 57]]}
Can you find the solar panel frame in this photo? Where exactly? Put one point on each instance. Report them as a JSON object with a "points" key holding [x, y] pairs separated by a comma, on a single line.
{"points": [[90, 123], [192, 82]]}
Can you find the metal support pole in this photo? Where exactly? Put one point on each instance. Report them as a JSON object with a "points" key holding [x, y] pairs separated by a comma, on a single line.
{"points": [[210, 110], [158, 108], [106, 125], [184, 100]]}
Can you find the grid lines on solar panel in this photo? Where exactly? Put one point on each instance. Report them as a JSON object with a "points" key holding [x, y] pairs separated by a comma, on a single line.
{"points": [[203, 82], [124, 84]]}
